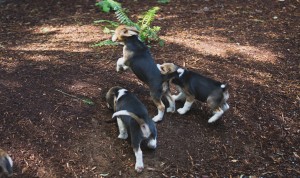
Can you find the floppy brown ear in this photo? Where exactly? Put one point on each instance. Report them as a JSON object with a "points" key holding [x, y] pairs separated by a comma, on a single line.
{"points": [[129, 31]]}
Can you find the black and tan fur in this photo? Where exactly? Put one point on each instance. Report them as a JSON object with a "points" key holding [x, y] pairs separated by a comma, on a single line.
{"points": [[193, 86], [137, 57], [6, 164], [132, 118]]}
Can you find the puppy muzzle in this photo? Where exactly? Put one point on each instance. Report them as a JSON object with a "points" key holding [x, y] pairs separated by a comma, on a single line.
{"points": [[114, 38]]}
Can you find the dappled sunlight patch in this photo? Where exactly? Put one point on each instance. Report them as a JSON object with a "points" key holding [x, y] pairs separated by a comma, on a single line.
{"points": [[41, 57], [85, 89], [9, 66], [220, 47], [255, 77], [70, 38]]}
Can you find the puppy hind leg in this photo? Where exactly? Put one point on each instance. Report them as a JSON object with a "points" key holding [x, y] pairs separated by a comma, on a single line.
{"points": [[160, 108], [225, 107], [122, 129], [171, 101], [139, 164], [187, 105], [217, 114]]}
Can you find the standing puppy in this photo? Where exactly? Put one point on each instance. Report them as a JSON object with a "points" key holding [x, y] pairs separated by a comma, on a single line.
{"points": [[137, 57], [6, 164], [193, 86], [132, 117]]}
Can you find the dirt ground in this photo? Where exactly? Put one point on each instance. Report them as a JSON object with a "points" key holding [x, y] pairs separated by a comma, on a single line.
{"points": [[46, 54]]}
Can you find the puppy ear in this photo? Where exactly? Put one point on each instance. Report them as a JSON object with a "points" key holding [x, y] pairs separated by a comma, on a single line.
{"points": [[129, 31], [166, 69]]}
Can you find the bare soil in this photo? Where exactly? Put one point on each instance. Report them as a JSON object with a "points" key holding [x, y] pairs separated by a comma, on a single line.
{"points": [[45, 50]]}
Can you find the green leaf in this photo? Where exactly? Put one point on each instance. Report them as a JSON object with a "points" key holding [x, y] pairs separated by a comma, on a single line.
{"points": [[161, 42], [163, 1], [106, 30], [105, 43], [88, 101], [114, 5], [105, 7], [115, 24]]}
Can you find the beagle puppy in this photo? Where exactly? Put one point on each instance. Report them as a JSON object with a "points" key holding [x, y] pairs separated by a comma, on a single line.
{"points": [[6, 164], [137, 57], [193, 86], [132, 117]]}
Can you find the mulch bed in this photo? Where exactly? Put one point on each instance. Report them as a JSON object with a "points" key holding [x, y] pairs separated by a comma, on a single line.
{"points": [[46, 56]]}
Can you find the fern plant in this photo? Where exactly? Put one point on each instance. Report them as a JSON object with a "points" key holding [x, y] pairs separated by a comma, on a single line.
{"points": [[147, 33]]}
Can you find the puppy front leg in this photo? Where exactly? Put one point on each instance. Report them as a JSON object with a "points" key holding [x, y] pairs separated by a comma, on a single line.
{"points": [[139, 165], [121, 64], [180, 95], [152, 143], [187, 105], [122, 129]]}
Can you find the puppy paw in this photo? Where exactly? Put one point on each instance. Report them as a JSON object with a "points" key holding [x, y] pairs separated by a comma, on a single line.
{"points": [[225, 107], [152, 144], [123, 136], [212, 120], [217, 115], [118, 68], [171, 109], [157, 118], [181, 111], [125, 67], [139, 167]]}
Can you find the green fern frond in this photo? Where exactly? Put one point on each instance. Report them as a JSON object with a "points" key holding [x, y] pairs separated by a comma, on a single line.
{"points": [[112, 23], [148, 17], [123, 18], [105, 43], [147, 33]]}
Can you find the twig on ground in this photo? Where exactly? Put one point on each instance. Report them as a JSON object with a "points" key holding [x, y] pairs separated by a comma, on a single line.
{"points": [[86, 101]]}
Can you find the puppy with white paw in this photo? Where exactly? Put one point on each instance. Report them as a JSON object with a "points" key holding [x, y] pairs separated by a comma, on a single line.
{"points": [[6, 164], [193, 86], [137, 57], [132, 119]]}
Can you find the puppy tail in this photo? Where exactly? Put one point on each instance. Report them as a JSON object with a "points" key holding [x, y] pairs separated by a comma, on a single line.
{"points": [[127, 113], [224, 87], [6, 163], [144, 126]]}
